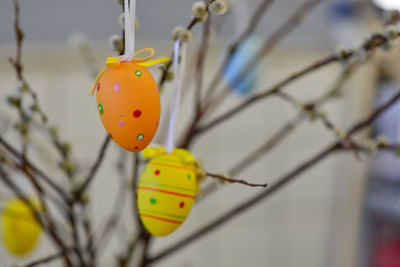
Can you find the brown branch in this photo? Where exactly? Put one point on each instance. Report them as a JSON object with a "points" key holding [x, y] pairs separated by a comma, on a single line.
{"points": [[93, 169], [168, 65], [276, 186], [49, 229], [376, 41], [290, 24], [25, 161], [113, 219], [125, 258], [231, 180], [45, 260], [201, 55], [256, 18], [271, 91]]}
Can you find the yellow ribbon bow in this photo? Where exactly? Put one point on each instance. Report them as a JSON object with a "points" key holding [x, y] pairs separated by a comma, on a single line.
{"points": [[145, 62]]}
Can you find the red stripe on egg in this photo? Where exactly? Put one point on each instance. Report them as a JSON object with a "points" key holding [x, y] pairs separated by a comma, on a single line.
{"points": [[165, 192], [160, 219]]}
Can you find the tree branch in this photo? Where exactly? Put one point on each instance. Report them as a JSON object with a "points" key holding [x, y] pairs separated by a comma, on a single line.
{"points": [[284, 180]]}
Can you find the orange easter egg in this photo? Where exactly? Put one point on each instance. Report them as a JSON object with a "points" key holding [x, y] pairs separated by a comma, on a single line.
{"points": [[129, 106]]}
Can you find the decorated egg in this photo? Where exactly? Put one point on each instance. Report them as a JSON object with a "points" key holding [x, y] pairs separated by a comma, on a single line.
{"points": [[166, 191], [128, 103], [242, 56], [20, 230]]}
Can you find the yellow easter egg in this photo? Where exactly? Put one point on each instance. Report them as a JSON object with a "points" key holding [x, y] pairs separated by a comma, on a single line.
{"points": [[20, 230], [166, 192]]}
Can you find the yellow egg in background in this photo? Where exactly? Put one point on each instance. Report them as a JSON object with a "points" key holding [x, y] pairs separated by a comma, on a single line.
{"points": [[166, 191], [20, 232]]}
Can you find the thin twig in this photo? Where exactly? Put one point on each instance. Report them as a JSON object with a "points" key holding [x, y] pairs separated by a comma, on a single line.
{"points": [[49, 229], [256, 18], [45, 260], [231, 180], [284, 180], [94, 168]]}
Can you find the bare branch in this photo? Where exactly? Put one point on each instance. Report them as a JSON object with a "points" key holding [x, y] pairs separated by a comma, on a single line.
{"points": [[231, 180], [284, 180], [94, 169]]}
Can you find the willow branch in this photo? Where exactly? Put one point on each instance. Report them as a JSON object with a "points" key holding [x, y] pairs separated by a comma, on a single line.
{"points": [[376, 41], [231, 180], [94, 168], [290, 24], [45, 260], [256, 18], [25, 161], [48, 228], [168, 65], [201, 56], [284, 180]]}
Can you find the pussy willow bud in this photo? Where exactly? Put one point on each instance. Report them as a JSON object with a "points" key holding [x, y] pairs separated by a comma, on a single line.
{"points": [[199, 9], [218, 7]]}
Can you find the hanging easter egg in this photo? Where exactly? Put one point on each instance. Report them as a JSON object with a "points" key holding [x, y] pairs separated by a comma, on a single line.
{"points": [[128, 105], [20, 232], [240, 59], [166, 191]]}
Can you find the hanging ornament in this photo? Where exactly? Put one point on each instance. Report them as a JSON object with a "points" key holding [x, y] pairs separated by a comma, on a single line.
{"points": [[168, 186], [128, 100], [20, 232], [166, 190], [245, 52]]}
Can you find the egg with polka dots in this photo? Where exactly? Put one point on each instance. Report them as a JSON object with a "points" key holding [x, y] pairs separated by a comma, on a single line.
{"points": [[165, 193], [129, 106]]}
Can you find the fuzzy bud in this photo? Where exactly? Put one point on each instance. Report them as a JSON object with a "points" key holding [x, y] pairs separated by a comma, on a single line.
{"points": [[218, 7], [176, 32], [53, 131], [185, 36], [65, 147], [66, 165], [386, 46], [199, 9], [203, 18], [14, 101], [391, 32], [340, 133], [382, 140], [169, 76], [116, 43]]}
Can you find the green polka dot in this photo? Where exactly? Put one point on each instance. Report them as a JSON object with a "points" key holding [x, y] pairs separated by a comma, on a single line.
{"points": [[138, 73], [101, 108], [153, 201], [189, 176], [140, 137]]}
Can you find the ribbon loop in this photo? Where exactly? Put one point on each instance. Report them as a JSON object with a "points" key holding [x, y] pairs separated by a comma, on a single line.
{"points": [[145, 62]]}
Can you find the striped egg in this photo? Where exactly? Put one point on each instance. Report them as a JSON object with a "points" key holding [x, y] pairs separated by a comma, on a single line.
{"points": [[128, 104], [165, 194]]}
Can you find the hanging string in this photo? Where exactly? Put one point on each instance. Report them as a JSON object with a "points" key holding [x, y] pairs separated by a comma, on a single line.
{"points": [[129, 27], [176, 93]]}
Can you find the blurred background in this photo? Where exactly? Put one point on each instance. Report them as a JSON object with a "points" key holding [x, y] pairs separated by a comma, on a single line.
{"points": [[343, 212]]}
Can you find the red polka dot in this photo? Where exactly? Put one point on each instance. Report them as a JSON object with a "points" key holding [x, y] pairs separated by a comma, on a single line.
{"points": [[136, 147], [98, 86], [137, 113], [182, 204], [157, 172]]}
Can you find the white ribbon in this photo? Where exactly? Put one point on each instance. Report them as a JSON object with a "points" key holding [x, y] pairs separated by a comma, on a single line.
{"points": [[129, 27], [176, 93]]}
